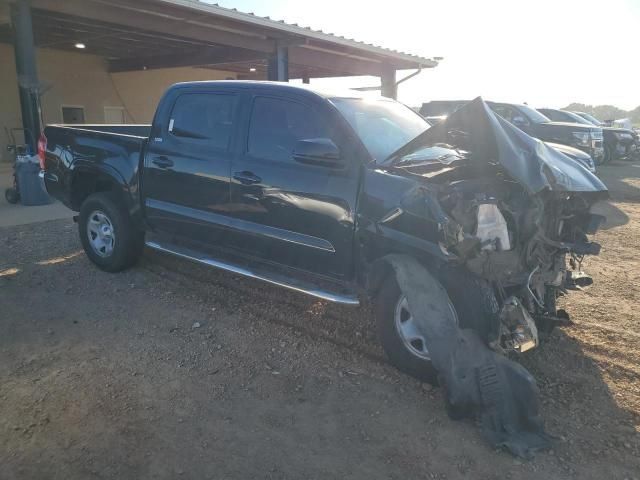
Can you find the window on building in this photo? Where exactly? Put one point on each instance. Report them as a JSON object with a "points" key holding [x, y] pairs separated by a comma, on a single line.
{"points": [[114, 115], [72, 114], [204, 116], [276, 125]]}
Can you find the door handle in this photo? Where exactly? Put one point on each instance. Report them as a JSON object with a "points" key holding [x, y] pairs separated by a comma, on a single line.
{"points": [[162, 162], [247, 178]]}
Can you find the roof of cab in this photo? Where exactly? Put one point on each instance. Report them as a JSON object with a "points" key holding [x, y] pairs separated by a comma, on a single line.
{"points": [[274, 87]]}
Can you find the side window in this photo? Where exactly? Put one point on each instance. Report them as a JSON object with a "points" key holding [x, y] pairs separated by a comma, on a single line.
{"points": [[510, 114], [276, 125], [204, 116], [502, 111], [553, 115]]}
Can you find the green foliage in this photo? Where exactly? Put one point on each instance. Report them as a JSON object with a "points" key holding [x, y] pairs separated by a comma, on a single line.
{"points": [[606, 112]]}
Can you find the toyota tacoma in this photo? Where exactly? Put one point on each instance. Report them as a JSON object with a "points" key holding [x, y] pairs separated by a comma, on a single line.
{"points": [[461, 236]]}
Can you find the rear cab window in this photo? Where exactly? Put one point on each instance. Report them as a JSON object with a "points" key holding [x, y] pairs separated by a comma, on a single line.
{"points": [[204, 117]]}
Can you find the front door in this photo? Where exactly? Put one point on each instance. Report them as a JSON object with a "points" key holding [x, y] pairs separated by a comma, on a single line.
{"points": [[295, 214], [186, 167], [514, 116]]}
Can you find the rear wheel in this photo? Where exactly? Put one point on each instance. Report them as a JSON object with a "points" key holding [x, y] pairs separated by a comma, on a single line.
{"points": [[108, 234]]}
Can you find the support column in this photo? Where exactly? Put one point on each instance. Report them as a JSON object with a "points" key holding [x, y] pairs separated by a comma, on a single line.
{"points": [[278, 65], [388, 82], [26, 70]]}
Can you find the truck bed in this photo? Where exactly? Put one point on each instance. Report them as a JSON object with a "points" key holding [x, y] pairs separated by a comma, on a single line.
{"points": [[103, 152], [134, 130]]}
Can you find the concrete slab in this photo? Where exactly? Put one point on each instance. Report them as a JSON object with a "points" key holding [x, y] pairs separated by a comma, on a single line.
{"points": [[21, 215]]}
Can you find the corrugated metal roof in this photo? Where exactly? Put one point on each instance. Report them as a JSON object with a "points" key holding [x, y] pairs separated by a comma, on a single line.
{"points": [[295, 29]]}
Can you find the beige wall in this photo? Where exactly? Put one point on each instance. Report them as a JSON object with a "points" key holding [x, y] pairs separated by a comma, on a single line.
{"points": [[77, 79], [140, 91]]}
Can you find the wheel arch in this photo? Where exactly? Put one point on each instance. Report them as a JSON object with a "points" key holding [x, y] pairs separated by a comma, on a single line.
{"points": [[86, 182], [382, 267]]}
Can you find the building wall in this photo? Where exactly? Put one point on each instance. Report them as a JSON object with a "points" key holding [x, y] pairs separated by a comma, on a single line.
{"points": [[140, 91], [78, 79]]}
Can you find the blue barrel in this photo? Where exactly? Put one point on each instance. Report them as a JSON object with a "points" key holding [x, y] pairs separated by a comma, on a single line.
{"points": [[30, 185]]}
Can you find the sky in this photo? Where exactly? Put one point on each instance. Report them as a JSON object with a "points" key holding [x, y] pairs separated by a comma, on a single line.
{"points": [[548, 53]]}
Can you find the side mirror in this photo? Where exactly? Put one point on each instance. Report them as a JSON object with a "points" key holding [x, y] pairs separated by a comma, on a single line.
{"points": [[317, 151], [520, 121]]}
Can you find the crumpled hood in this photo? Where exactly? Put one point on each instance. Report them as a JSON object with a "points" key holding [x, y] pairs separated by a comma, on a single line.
{"points": [[490, 139]]}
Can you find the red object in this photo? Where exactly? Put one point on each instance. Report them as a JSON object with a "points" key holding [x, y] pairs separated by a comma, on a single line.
{"points": [[42, 147]]}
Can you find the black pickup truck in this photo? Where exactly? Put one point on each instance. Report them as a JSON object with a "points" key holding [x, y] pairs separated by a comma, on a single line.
{"points": [[619, 143], [470, 224]]}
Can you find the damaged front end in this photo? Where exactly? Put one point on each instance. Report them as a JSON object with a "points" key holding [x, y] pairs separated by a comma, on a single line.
{"points": [[529, 247], [513, 217], [510, 211]]}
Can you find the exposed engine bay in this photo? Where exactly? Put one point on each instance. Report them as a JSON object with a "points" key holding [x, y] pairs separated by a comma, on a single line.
{"points": [[528, 247]]}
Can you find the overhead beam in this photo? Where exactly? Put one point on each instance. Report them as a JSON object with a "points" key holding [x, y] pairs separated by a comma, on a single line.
{"points": [[206, 57], [342, 64], [111, 13]]}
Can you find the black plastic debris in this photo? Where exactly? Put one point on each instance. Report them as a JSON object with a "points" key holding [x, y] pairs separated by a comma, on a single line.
{"points": [[478, 381]]}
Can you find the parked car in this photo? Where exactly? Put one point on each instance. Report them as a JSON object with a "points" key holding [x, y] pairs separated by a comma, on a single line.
{"points": [[438, 111], [576, 155], [460, 234], [587, 138], [590, 118], [619, 143]]}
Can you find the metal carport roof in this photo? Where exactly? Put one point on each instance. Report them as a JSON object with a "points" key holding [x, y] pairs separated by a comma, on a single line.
{"points": [[148, 34]]}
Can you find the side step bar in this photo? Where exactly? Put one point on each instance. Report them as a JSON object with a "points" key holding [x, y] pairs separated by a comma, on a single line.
{"points": [[274, 279]]}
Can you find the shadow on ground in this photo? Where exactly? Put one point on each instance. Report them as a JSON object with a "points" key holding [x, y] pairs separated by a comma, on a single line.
{"points": [[171, 370]]}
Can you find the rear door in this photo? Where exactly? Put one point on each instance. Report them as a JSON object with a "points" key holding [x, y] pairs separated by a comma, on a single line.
{"points": [[186, 168], [295, 214]]}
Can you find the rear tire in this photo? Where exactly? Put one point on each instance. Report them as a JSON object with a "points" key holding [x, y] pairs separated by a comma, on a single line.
{"points": [[108, 235]]}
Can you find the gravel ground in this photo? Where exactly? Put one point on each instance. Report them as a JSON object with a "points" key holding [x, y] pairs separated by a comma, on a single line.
{"points": [[170, 370]]}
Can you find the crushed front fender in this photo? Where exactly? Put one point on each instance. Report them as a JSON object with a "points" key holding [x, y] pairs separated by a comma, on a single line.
{"points": [[478, 381]]}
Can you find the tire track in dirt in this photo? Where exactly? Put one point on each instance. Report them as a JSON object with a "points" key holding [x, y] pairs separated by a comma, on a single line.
{"points": [[261, 302]]}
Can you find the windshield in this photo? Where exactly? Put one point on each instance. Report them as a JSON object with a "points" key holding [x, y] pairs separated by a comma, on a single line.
{"points": [[564, 116], [532, 114], [591, 119], [578, 118], [383, 125]]}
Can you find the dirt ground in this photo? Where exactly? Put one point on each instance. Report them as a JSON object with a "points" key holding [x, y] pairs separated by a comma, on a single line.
{"points": [[170, 370]]}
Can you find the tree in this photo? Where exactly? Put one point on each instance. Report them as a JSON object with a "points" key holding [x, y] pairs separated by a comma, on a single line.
{"points": [[605, 112], [579, 107], [609, 112], [634, 115]]}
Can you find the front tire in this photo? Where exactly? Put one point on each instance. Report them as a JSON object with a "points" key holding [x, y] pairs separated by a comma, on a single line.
{"points": [[108, 234], [402, 342]]}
